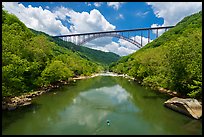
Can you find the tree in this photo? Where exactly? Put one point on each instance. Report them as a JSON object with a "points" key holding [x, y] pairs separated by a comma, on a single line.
{"points": [[56, 71]]}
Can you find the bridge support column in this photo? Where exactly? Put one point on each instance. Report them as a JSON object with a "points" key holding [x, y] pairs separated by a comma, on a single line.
{"points": [[148, 35], [157, 34], [75, 41], [141, 38]]}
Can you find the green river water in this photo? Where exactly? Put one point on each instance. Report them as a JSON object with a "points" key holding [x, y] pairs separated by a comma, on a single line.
{"points": [[85, 106]]}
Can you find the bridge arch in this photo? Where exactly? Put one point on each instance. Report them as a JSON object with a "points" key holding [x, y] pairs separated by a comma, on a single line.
{"points": [[110, 35], [82, 38]]}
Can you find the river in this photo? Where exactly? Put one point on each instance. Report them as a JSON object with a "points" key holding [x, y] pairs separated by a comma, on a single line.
{"points": [[85, 106]]}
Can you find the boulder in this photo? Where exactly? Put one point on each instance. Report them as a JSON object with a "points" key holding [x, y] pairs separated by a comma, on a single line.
{"points": [[188, 106]]}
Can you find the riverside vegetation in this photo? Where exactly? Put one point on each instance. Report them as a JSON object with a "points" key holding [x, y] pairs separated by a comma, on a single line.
{"points": [[173, 61], [32, 59]]}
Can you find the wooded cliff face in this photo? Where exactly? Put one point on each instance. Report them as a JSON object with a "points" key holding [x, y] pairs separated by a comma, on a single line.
{"points": [[104, 58], [30, 60], [172, 61]]}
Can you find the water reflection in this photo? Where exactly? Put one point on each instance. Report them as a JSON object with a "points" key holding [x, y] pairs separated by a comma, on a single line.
{"points": [[100, 100], [84, 107], [9, 117]]}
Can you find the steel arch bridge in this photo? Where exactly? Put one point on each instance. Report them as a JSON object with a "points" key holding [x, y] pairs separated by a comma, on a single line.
{"points": [[81, 39], [110, 35]]}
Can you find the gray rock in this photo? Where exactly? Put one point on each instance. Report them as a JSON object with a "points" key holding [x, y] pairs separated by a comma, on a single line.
{"points": [[11, 106], [26, 103], [190, 107]]}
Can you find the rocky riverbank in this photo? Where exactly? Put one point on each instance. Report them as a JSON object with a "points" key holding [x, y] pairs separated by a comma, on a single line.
{"points": [[11, 103], [180, 103], [159, 89]]}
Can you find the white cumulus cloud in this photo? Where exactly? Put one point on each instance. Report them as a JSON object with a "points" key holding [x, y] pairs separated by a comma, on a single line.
{"points": [[117, 48], [84, 22], [37, 18], [173, 12], [50, 22], [160, 31], [123, 47], [89, 22]]}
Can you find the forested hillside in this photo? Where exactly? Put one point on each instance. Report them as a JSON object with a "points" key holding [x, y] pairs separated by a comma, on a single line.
{"points": [[172, 61], [104, 58], [30, 61]]}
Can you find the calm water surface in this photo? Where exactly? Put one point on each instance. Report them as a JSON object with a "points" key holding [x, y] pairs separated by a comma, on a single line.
{"points": [[85, 106]]}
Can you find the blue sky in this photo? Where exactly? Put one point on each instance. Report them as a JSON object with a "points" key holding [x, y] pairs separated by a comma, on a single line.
{"points": [[130, 15], [57, 18]]}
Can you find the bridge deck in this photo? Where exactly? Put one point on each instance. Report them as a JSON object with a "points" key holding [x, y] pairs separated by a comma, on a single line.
{"points": [[115, 31]]}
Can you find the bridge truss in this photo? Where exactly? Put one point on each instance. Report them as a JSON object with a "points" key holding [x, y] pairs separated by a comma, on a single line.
{"points": [[81, 39]]}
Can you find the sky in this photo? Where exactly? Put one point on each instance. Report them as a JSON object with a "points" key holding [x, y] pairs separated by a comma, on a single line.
{"points": [[61, 18]]}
